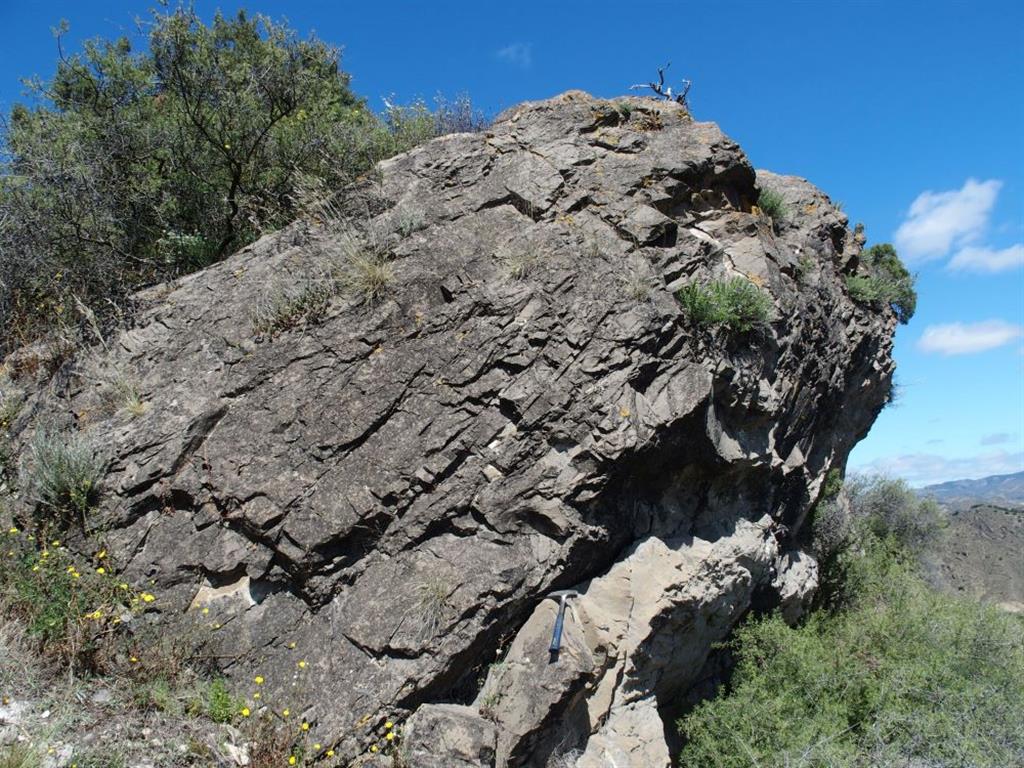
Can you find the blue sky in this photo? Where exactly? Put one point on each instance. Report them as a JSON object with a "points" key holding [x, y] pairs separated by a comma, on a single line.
{"points": [[911, 113]]}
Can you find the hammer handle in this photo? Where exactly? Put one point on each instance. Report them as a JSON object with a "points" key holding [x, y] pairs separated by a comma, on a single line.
{"points": [[556, 636]]}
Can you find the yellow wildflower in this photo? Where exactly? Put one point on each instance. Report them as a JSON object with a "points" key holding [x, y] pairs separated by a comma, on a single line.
{"points": [[75, 575], [374, 748], [291, 760], [256, 695], [302, 664], [291, 645], [147, 597], [101, 570], [245, 712], [305, 726], [389, 725], [390, 736], [330, 753], [258, 679], [134, 660], [205, 611], [13, 531], [285, 713], [101, 554], [316, 746]]}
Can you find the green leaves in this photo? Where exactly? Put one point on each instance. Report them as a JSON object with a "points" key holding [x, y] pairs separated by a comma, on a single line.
{"points": [[901, 675], [885, 281]]}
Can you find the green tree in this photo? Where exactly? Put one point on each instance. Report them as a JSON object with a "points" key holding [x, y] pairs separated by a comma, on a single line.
{"points": [[134, 166]]}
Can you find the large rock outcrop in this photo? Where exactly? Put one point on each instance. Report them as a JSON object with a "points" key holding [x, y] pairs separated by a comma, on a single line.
{"points": [[386, 491]]}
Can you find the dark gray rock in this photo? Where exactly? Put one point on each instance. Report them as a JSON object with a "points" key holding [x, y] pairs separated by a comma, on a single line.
{"points": [[387, 490]]}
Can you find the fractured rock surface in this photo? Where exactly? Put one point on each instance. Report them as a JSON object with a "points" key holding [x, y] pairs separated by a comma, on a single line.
{"points": [[386, 492]]}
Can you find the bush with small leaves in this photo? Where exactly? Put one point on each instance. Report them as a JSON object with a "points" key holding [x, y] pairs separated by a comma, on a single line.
{"points": [[736, 303], [902, 675], [139, 164]]}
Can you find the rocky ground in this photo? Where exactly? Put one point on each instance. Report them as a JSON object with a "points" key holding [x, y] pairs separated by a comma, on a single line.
{"points": [[360, 453]]}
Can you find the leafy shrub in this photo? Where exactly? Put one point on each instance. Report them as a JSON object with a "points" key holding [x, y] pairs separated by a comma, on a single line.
{"points": [[903, 676], [63, 474], [891, 510], [735, 303], [133, 167], [772, 204], [886, 282]]}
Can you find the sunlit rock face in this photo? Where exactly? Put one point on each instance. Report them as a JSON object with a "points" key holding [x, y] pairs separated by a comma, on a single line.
{"points": [[386, 490]]}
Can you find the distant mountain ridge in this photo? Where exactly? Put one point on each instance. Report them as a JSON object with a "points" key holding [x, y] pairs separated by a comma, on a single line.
{"points": [[1006, 489]]}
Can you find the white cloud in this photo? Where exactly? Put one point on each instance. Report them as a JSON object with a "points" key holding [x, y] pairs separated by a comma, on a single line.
{"points": [[517, 54], [926, 469], [997, 438], [967, 338], [980, 259], [940, 221]]}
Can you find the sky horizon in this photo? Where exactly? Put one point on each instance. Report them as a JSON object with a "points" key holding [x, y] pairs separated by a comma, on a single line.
{"points": [[910, 113]]}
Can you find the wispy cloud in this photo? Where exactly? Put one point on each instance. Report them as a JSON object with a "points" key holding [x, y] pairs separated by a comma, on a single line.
{"points": [[926, 468], [939, 221], [997, 438], [967, 338], [517, 54], [978, 259]]}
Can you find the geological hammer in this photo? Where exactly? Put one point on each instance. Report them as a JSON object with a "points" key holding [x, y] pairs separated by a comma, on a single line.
{"points": [[562, 596]]}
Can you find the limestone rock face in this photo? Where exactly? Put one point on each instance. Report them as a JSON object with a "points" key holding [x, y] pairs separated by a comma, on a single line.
{"points": [[386, 491]]}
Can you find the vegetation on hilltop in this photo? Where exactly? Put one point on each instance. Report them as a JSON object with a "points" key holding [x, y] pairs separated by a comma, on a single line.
{"points": [[888, 673], [137, 166]]}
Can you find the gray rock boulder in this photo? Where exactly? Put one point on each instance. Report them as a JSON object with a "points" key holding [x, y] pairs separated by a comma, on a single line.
{"points": [[374, 441]]}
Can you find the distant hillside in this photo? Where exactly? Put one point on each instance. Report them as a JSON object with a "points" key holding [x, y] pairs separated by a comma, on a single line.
{"points": [[1001, 489], [980, 555]]}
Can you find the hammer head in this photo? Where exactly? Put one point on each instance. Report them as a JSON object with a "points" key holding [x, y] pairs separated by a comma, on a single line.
{"points": [[563, 594]]}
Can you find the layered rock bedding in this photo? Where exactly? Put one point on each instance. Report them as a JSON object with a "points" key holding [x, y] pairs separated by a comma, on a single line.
{"points": [[371, 444]]}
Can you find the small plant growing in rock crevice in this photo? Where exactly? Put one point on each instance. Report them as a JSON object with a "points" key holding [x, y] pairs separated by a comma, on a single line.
{"points": [[432, 596], [63, 474], [736, 303], [886, 281], [772, 205]]}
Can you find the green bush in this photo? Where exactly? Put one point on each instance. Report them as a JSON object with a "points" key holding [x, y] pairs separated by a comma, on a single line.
{"points": [[885, 282], [905, 676], [136, 166], [735, 303], [772, 204], [63, 474]]}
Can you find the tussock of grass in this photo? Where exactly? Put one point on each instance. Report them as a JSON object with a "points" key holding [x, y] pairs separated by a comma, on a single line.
{"points": [[63, 474], [736, 303], [353, 268], [772, 205], [366, 276]]}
